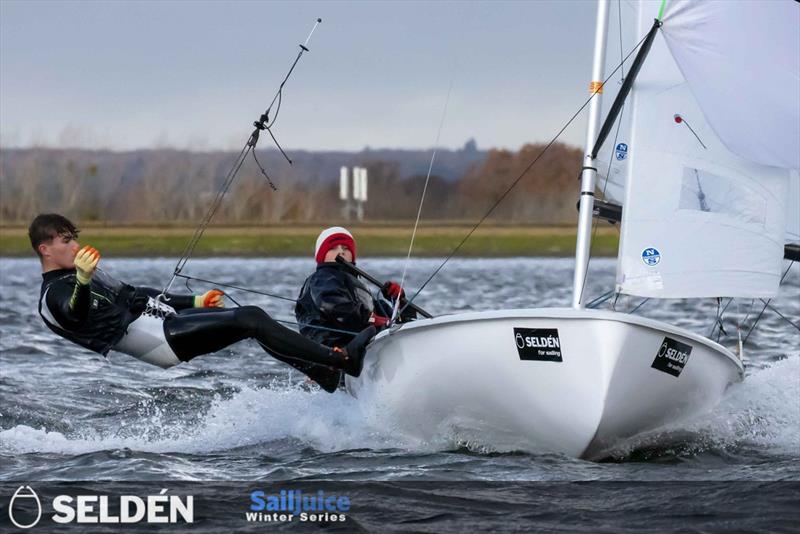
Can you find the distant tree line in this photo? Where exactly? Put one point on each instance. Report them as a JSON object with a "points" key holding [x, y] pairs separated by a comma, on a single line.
{"points": [[169, 186]]}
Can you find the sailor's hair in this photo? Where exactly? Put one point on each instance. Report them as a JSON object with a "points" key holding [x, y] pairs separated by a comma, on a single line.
{"points": [[47, 226]]}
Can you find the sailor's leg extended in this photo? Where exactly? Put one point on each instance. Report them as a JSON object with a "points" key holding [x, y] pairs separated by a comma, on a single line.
{"points": [[203, 330]]}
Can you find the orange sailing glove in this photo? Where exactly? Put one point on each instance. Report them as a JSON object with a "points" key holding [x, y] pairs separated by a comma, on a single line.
{"points": [[85, 263], [209, 299]]}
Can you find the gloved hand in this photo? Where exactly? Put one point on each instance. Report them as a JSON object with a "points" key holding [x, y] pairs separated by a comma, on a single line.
{"points": [[392, 290], [85, 263], [378, 321], [209, 299]]}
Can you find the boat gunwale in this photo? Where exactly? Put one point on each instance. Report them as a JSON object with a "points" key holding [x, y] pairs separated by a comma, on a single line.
{"points": [[563, 313]]}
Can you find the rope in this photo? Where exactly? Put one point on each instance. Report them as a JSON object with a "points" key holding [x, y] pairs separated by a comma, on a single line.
{"points": [[231, 286], [601, 299], [519, 178], [396, 307], [263, 123], [293, 323]]}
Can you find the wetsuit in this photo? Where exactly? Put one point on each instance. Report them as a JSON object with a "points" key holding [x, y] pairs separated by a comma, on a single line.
{"points": [[332, 307], [108, 314]]}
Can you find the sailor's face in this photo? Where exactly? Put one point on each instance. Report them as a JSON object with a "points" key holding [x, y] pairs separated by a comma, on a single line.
{"points": [[339, 250], [61, 251]]}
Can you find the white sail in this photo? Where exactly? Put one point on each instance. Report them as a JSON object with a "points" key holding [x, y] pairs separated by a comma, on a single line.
{"points": [[698, 221], [741, 62], [623, 36]]}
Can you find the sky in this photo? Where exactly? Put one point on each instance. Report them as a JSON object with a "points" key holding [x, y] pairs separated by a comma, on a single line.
{"points": [[194, 75]]}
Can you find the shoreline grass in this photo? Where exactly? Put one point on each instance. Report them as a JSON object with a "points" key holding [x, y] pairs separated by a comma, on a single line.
{"points": [[298, 240]]}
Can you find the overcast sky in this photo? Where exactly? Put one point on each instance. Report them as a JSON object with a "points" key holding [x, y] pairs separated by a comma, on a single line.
{"points": [[194, 75]]}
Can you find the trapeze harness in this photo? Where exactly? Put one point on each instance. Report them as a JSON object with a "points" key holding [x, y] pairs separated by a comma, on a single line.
{"points": [[108, 314]]}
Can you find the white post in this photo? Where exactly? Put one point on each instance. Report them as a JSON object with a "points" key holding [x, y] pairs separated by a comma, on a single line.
{"points": [[343, 190], [589, 174], [357, 183], [363, 185], [344, 193]]}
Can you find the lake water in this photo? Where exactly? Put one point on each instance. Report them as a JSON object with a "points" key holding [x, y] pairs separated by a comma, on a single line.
{"points": [[239, 415]]}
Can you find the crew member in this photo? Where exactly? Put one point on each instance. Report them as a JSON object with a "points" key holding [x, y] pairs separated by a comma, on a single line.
{"points": [[85, 305], [334, 305]]}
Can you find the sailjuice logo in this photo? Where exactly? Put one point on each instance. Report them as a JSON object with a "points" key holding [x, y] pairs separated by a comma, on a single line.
{"points": [[288, 505], [651, 256], [22, 508], [622, 151]]}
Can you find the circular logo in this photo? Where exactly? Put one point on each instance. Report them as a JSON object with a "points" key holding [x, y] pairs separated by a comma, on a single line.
{"points": [[24, 493], [520, 340], [622, 151], [651, 256]]}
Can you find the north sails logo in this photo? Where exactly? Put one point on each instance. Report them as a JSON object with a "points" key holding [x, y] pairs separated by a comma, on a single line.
{"points": [[541, 344], [18, 512]]}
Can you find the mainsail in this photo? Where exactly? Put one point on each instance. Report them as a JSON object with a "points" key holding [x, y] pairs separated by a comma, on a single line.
{"points": [[701, 217]]}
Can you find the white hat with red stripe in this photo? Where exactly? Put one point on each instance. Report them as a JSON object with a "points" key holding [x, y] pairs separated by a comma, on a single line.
{"points": [[329, 238]]}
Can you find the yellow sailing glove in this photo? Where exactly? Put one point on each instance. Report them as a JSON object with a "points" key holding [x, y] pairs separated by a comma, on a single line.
{"points": [[209, 299], [85, 263]]}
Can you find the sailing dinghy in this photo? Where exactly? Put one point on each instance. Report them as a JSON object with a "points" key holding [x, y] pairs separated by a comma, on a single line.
{"points": [[708, 149]]}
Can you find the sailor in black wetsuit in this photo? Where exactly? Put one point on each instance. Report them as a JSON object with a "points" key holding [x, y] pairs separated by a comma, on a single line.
{"points": [[333, 304], [87, 306]]}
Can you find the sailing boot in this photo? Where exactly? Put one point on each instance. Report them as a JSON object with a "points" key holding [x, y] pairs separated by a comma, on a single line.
{"points": [[354, 352]]}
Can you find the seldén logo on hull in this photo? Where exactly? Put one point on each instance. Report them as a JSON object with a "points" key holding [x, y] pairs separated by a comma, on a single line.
{"points": [[540, 344], [672, 356]]}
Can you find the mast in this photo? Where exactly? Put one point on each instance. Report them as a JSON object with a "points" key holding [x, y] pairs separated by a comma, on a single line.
{"points": [[589, 174]]}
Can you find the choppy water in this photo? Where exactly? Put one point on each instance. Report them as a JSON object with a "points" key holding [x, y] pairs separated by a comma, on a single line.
{"points": [[67, 414]]}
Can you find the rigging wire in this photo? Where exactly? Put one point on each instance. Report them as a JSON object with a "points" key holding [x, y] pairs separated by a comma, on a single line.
{"points": [[519, 178], [263, 123], [766, 304], [396, 307], [292, 323]]}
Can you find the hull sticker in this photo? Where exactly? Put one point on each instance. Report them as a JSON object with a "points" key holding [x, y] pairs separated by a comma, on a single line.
{"points": [[540, 344], [672, 356]]}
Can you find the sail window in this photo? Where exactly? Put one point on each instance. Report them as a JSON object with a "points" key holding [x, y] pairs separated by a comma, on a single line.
{"points": [[708, 192]]}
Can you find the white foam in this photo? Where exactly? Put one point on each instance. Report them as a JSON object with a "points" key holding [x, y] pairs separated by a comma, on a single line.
{"points": [[252, 416], [764, 410]]}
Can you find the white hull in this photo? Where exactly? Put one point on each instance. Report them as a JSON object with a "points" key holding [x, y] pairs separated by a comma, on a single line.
{"points": [[466, 373]]}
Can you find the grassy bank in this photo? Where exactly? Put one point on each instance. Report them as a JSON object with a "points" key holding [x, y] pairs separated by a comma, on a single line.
{"points": [[378, 240]]}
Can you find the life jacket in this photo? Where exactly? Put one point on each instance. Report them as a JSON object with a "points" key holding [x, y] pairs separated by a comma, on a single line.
{"points": [[348, 305]]}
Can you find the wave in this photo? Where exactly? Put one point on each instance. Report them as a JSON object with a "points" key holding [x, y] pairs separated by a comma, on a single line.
{"points": [[762, 412]]}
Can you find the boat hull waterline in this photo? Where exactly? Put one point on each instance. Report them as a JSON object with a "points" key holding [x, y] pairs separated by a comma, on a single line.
{"points": [[577, 382]]}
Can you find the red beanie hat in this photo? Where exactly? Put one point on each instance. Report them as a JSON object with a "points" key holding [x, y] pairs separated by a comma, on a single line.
{"points": [[329, 238]]}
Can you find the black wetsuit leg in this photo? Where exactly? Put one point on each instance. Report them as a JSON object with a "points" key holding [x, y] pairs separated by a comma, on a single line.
{"points": [[199, 331]]}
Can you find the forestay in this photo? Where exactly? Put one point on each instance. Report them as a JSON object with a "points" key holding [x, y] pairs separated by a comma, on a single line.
{"points": [[699, 220]]}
